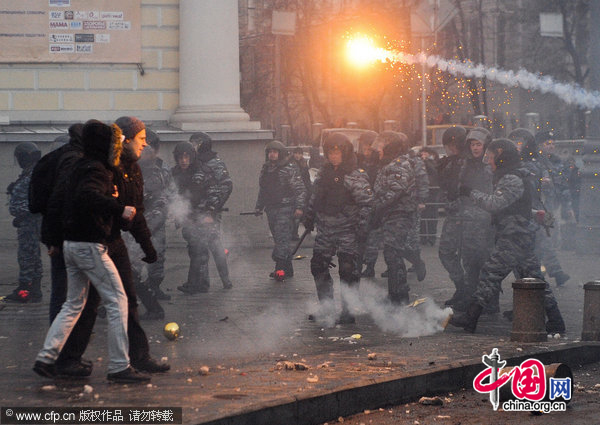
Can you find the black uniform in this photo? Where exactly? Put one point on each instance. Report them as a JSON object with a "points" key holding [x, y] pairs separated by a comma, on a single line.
{"points": [[281, 193], [340, 205], [212, 176], [28, 228], [191, 195], [510, 205]]}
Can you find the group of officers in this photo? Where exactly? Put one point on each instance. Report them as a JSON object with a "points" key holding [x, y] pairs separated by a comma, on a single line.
{"points": [[499, 196], [493, 192]]}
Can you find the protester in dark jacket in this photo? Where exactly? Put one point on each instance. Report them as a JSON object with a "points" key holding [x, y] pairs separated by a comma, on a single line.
{"points": [[88, 218], [52, 232], [128, 184]]}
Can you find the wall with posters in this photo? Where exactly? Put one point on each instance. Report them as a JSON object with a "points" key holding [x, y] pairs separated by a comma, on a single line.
{"points": [[70, 60], [105, 31]]}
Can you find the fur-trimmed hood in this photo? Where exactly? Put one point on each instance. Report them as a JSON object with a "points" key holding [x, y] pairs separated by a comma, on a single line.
{"points": [[102, 142]]}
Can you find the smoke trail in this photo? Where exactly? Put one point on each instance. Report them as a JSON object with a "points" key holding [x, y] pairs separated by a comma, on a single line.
{"points": [[568, 92], [424, 319], [179, 208]]}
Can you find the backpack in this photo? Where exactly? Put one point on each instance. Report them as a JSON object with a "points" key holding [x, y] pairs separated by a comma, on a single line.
{"points": [[42, 181]]}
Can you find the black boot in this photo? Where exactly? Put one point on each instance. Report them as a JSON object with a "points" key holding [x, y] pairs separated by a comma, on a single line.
{"points": [[288, 268], [191, 290], [467, 320], [20, 295]]}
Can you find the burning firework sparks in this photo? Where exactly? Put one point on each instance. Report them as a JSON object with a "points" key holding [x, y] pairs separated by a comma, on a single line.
{"points": [[363, 51]]}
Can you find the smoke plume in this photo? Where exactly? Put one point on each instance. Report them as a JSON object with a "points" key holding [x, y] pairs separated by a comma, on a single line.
{"points": [[569, 93]]}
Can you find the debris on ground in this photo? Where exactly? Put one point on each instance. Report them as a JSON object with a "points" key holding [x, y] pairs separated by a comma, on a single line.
{"points": [[88, 389], [372, 356], [312, 379], [431, 401], [417, 302], [204, 370], [285, 365]]}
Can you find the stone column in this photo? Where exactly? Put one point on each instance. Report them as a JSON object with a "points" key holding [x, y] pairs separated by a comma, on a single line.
{"points": [[209, 75]]}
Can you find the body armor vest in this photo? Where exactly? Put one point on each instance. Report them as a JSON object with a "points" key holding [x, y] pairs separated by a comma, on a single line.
{"points": [[332, 195], [273, 189]]}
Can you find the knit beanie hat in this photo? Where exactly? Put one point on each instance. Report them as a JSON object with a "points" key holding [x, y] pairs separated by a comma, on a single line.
{"points": [[130, 126]]}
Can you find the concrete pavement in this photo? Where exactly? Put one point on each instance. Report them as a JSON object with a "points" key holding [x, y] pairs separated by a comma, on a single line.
{"points": [[244, 335]]}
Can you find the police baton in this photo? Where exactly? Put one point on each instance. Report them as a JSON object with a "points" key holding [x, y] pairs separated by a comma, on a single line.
{"points": [[254, 213], [304, 234]]}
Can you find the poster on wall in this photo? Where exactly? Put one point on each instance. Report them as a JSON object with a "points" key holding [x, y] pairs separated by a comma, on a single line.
{"points": [[99, 31]]}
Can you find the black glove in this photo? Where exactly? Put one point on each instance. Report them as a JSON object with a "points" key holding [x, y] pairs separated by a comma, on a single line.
{"points": [[309, 224], [151, 255], [17, 221], [465, 191]]}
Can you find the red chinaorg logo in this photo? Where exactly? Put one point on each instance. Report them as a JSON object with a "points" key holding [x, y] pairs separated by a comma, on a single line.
{"points": [[528, 385]]}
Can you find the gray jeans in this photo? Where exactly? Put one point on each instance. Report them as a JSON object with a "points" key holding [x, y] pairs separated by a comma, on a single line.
{"points": [[89, 262]]}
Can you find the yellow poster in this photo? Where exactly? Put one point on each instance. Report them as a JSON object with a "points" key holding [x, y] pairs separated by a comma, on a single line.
{"points": [[101, 31]]}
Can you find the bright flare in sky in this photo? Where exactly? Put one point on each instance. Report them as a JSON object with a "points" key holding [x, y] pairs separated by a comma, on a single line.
{"points": [[361, 51]]}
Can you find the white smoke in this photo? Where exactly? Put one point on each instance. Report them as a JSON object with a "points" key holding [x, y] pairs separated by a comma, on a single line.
{"points": [[423, 319], [324, 313], [568, 92], [179, 208]]}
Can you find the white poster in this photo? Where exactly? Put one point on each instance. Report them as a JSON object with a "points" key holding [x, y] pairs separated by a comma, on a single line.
{"points": [[101, 31]]}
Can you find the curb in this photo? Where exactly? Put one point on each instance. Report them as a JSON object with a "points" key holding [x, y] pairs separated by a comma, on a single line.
{"points": [[371, 394]]}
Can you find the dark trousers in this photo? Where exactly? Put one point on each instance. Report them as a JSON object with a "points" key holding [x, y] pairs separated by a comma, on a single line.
{"points": [[80, 336]]}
